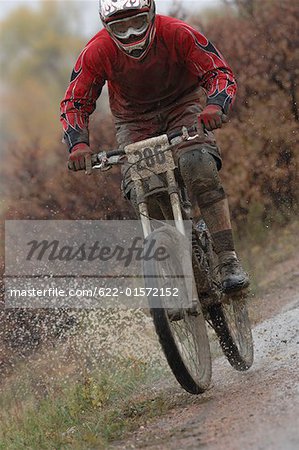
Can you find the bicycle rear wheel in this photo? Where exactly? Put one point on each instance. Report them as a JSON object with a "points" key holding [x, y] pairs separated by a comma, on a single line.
{"points": [[181, 330], [229, 316], [231, 323]]}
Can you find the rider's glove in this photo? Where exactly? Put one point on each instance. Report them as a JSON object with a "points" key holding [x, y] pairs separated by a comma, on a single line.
{"points": [[80, 158], [212, 117]]}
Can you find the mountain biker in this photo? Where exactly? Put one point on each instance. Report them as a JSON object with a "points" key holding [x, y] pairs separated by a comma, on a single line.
{"points": [[156, 68]]}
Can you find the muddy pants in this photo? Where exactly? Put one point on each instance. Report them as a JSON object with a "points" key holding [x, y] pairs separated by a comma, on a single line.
{"points": [[198, 163]]}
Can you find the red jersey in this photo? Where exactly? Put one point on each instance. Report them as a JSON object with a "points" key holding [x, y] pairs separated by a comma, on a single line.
{"points": [[180, 60]]}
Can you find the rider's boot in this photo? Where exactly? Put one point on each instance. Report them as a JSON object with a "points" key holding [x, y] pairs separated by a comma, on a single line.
{"points": [[233, 276]]}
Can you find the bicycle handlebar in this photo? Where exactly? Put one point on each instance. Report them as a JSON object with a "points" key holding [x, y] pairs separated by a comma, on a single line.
{"points": [[104, 160]]}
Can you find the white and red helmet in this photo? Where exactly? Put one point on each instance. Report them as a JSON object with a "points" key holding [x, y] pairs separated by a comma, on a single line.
{"points": [[131, 24]]}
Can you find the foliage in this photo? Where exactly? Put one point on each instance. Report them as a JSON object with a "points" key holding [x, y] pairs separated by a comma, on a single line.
{"points": [[39, 186], [36, 183], [38, 46], [260, 145], [39, 43]]}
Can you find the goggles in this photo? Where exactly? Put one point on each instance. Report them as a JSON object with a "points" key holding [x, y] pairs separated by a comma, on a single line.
{"points": [[134, 25]]}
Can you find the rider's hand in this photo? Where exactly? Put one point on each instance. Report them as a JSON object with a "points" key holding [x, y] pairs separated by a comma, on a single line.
{"points": [[212, 117], [80, 158]]}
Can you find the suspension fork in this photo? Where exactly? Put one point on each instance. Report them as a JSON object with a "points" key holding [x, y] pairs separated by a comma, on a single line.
{"points": [[175, 201], [142, 208]]}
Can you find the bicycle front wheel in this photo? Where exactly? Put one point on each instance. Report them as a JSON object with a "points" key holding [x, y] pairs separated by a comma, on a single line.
{"points": [[181, 330]]}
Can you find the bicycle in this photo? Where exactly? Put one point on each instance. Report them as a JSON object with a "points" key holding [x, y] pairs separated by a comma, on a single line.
{"points": [[182, 331]]}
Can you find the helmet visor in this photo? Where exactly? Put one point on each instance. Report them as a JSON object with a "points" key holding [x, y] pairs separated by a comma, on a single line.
{"points": [[135, 25]]}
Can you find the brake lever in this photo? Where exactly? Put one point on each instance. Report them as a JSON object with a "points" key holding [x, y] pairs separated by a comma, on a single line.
{"points": [[186, 136], [200, 132], [100, 161]]}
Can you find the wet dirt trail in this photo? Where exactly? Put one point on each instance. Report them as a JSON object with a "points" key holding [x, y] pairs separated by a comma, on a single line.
{"points": [[258, 409]]}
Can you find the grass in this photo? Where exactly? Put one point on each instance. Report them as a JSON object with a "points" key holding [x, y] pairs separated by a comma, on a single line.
{"points": [[85, 413]]}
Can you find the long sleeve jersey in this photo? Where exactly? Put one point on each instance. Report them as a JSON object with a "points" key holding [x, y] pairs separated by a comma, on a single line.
{"points": [[180, 60]]}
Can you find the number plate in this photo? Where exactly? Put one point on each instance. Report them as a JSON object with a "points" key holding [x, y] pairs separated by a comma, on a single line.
{"points": [[149, 156]]}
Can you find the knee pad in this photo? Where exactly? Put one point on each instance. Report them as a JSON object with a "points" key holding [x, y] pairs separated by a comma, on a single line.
{"points": [[198, 169]]}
